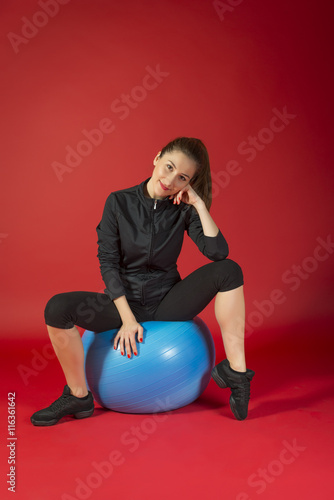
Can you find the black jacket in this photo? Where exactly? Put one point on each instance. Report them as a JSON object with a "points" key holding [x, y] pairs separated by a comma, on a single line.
{"points": [[139, 241]]}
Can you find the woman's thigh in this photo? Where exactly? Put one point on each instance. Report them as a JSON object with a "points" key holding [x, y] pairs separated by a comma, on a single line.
{"points": [[90, 310], [190, 296]]}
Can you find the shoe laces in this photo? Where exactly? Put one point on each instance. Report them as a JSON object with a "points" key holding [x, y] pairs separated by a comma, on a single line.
{"points": [[241, 392], [60, 403]]}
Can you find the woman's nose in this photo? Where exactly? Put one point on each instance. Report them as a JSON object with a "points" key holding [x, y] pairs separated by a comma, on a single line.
{"points": [[170, 179]]}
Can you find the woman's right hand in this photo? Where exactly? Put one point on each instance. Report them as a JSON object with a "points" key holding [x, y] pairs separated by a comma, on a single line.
{"points": [[126, 336]]}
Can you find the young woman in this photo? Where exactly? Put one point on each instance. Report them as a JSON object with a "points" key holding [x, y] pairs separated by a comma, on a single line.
{"points": [[139, 240]]}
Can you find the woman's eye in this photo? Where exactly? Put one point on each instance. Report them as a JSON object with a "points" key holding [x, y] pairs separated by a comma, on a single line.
{"points": [[171, 168]]}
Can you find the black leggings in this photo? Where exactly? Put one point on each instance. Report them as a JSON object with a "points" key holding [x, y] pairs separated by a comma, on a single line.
{"points": [[187, 298]]}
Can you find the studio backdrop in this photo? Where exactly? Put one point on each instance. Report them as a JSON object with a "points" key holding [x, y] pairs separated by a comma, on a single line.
{"points": [[92, 90]]}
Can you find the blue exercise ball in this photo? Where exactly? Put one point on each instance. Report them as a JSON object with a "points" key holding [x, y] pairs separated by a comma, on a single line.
{"points": [[172, 369]]}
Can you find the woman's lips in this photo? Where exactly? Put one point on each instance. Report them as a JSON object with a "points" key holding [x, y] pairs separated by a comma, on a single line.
{"points": [[163, 187]]}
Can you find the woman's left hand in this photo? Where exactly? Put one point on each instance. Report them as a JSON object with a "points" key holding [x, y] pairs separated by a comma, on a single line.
{"points": [[187, 195]]}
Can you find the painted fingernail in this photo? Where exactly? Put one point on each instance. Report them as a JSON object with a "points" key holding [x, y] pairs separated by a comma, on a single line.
{"points": [[114, 347], [122, 353], [135, 354], [140, 340], [129, 356]]}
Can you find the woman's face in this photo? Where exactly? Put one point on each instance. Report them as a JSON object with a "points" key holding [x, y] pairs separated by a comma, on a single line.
{"points": [[172, 172]]}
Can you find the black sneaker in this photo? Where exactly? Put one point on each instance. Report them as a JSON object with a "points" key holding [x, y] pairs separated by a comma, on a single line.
{"points": [[239, 382], [67, 404]]}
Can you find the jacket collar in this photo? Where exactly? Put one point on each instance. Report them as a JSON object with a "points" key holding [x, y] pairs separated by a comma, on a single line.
{"points": [[149, 201]]}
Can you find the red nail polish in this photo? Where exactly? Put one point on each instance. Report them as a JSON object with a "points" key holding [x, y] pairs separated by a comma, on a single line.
{"points": [[135, 354], [129, 356], [122, 353], [140, 340], [114, 347]]}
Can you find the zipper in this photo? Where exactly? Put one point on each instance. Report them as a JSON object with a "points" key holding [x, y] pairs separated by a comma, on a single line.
{"points": [[152, 234], [149, 253]]}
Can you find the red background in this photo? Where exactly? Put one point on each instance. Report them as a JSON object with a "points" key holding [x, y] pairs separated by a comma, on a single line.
{"points": [[226, 74], [225, 77]]}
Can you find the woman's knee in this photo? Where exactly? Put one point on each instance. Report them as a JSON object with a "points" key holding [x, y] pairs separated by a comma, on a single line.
{"points": [[231, 275], [56, 312]]}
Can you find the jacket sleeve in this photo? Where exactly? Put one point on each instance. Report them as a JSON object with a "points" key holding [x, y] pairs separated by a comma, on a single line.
{"points": [[213, 247], [109, 251]]}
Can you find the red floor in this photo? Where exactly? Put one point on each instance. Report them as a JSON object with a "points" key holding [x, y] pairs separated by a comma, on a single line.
{"points": [[284, 450]]}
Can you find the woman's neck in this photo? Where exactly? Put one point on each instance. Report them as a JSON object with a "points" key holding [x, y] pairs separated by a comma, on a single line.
{"points": [[148, 191]]}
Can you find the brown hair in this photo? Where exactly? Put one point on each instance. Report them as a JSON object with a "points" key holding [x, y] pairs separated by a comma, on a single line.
{"points": [[196, 151]]}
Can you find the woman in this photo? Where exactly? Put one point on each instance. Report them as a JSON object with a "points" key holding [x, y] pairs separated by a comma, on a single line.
{"points": [[139, 239]]}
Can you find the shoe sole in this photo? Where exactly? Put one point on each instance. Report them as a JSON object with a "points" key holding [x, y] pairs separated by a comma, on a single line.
{"points": [[80, 414]]}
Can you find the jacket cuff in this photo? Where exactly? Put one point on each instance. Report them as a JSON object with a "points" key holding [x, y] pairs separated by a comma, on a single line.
{"points": [[114, 286], [216, 246], [113, 295]]}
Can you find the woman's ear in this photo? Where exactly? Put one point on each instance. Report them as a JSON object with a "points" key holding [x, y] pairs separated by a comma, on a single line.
{"points": [[156, 158]]}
